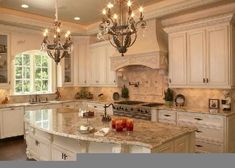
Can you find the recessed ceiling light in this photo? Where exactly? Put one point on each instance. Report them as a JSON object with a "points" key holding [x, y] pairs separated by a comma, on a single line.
{"points": [[76, 18], [25, 6]]}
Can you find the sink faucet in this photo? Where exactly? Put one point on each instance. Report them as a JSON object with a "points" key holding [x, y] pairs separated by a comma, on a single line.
{"points": [[106, 117]]}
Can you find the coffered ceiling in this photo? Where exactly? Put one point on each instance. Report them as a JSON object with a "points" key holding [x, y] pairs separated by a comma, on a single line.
{"points": [[88, 10]]}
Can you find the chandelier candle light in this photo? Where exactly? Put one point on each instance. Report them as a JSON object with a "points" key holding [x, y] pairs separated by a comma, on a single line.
{"points": [[121, 30], [57, 49]]}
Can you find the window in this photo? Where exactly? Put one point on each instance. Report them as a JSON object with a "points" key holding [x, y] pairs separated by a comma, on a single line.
{"points": [[33, 73]]}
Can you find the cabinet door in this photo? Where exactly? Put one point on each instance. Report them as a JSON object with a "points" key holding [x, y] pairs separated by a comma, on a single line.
{"points": [[111, 75], [196, 58], [217, 56], [82, 64], [13, 122], [98, 65], [4, 60], [59, 154], [177, 56]]}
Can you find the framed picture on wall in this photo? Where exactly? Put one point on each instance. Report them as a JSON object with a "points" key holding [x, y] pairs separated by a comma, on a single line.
{"points": [[214, 103]]}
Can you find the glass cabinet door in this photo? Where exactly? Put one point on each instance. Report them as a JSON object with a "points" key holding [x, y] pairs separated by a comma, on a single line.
{"points": [[3, 59], [68, 69]]}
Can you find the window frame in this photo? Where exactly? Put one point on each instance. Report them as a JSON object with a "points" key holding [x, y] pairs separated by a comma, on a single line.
{"points": [[32, 74]]}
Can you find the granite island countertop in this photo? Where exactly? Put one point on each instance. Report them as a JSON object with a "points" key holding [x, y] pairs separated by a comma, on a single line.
{"points": [[65, 122]]}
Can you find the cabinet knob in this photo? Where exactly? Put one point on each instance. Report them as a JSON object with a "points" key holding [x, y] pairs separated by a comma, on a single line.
{"points": [[204, 80], [199, 146], [199, 119], [114, 81], [167, 115], [37, 143], [207, 80], [199, 131]]}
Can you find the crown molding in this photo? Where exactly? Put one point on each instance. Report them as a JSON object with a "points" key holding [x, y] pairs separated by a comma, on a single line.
{"points": [[36, 22], [215, 11], [222, 19]]}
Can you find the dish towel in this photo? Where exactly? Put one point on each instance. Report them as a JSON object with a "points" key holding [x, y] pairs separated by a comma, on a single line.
{"points": [[102, 132]]}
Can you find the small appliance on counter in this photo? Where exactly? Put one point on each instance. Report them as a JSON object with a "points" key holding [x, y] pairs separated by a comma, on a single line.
{"points": [[226, 101]]}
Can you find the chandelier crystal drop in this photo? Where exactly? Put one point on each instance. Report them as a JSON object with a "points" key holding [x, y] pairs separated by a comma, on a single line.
{"points": [[60, 46], [120, 29]]}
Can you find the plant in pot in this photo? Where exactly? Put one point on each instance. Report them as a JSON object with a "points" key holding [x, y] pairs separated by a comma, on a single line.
{"points": [[125, 92], [169, 97]]}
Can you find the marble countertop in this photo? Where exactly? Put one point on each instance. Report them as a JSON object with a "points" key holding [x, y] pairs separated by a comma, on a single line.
{"points": [[66, 122]]}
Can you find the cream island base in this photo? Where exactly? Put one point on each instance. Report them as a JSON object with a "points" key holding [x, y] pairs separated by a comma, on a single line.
{"points": [[52, 134]]}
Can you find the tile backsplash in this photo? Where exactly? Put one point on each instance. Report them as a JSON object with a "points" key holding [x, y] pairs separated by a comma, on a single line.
{"points": [[152, 84]]}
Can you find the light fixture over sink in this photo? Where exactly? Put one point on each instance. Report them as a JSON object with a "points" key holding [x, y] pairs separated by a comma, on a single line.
{"points": [[121, 29], [57, 49]]}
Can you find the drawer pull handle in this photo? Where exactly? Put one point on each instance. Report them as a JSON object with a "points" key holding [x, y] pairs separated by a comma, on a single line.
{"points": [[199, 131], [37, 143], [95, 106], [167, 115], [199, 119], [199, 146]]}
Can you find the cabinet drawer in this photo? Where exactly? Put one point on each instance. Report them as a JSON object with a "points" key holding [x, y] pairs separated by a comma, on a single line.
{"points": [[216, 135], [201, 119], [167, 116], [205, 147]]}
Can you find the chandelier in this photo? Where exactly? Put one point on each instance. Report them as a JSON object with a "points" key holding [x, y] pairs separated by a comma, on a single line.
{"points": [[57, 49], [120, 29]]}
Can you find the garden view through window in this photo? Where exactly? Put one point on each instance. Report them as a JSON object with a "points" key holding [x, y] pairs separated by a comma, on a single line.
{"points": [[32, 73]]}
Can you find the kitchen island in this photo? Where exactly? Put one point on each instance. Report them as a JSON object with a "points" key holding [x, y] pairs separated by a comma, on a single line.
{"points": [[52, 134]]}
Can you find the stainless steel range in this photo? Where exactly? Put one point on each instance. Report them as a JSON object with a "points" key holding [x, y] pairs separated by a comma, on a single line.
{"points": [[134, 109]]}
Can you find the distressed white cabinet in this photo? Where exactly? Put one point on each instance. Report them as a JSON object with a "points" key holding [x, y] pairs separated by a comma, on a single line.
{"points": [[81, 59], [98, 64], [61, 154], [111, 75], [177, 59], [214, 132], [218, 56], [202, 57], [196, 57], [11, 123]]}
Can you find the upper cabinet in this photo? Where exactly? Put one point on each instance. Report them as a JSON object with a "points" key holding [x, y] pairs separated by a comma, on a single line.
{"points": [[4, 60], [177, 63], [101, 73], [92, 65], [200, 54]]}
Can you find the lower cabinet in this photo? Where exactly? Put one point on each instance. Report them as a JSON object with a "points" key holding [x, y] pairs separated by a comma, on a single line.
{"points": [[214, 132], [60, 154], [11, 122]]}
